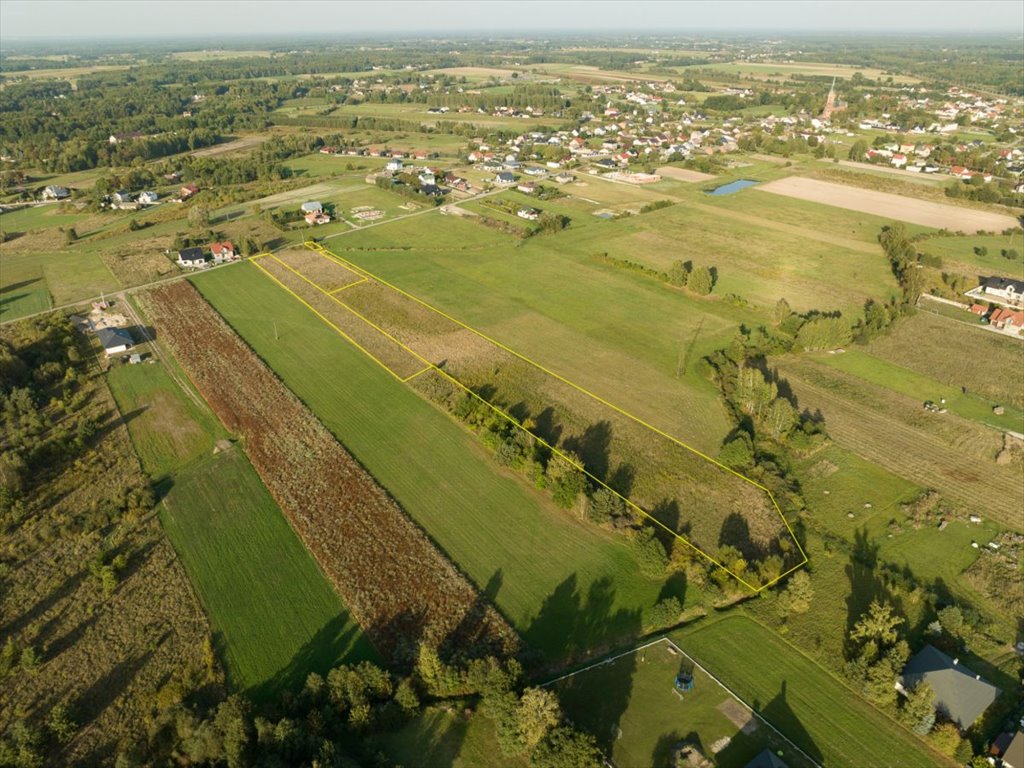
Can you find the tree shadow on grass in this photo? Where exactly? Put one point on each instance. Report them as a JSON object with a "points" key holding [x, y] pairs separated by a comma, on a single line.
{"points": [[779, 713], [336, 642], [572, 625], [594, 448]]}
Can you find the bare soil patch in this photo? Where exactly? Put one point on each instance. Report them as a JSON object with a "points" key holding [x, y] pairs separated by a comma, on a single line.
{"points": [[247, 142], [683, 174], [890, 206], [739, 715]]}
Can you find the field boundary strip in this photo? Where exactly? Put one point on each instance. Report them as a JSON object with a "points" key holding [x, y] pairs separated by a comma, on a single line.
{"points": [[431, 366], [671, 643]]}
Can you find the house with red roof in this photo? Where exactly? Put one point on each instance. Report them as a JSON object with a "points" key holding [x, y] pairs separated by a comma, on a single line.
{"points": [[224, 251], [1007, 320]]}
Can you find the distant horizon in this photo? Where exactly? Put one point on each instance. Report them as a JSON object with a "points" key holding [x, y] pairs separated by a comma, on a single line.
{"points": [[89, 21]]}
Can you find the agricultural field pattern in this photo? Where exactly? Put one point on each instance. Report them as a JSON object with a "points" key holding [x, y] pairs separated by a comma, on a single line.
{"points": [[460, 396]]}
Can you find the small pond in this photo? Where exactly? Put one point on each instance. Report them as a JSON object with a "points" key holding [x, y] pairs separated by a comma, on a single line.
{"points": [[732, 186]]}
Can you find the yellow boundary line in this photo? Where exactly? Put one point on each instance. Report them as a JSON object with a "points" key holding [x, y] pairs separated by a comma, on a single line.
{"points": [[339, 290], [312, 309], [431, 366]]}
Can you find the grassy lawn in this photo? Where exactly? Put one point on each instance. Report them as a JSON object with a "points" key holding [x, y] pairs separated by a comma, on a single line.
{"points": [[39, 217], [632, 707], [801, 699], [31, 282], [903, 380], [274, 615], [958, 355], [168, 429], [960, 249], [565, 586]]}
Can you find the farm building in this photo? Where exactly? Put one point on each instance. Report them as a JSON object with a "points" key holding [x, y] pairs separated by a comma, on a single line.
{"points": [[114, 340], [960, 694], [312, 207]]}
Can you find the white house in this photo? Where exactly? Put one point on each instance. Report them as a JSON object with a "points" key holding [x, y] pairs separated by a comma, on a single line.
{"points": [[114, 340], [1000, 290], [148, 198], [191, 257], [530, 214], [56, 192], [394, 164]]}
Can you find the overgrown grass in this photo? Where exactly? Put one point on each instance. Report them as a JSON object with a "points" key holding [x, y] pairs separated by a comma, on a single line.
{"points": [[274, 615]]}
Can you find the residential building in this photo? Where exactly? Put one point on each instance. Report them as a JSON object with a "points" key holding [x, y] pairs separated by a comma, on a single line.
{"points": [[1013, 757], [312, 207], [192, 257], [148, 197], [114, 340], [188, 190], [505, 177], [224, 251], [1000, 290], [960, 694], [315, 218], [530, 214], [56, 192]]}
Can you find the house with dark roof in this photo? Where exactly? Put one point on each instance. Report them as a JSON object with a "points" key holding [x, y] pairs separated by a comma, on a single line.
{"points": [[1013, 757], [960, 694], [191, 257], [1000, 290], [766, 759], [114, 340]]}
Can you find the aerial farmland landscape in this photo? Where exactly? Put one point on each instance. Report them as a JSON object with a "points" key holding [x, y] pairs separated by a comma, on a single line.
{"points": [[462, 384]]}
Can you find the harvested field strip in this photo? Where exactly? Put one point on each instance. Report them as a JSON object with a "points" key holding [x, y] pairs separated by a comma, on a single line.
{"points": [[329, 275], [439, 317], [914, 454], [388, 354], [396, 583], [890, 206]]}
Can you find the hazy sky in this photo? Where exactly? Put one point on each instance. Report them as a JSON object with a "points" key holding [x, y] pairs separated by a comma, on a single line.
{"points": [[50, 19]]}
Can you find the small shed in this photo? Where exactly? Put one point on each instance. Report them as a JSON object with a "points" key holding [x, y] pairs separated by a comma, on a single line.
{"points": [[114, 340]]}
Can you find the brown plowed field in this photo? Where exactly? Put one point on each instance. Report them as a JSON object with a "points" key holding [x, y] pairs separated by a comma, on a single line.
{"points": [[923, 212]]}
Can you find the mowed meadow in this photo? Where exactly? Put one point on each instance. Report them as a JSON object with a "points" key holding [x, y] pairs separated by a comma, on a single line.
{"points": [[566, 587]]}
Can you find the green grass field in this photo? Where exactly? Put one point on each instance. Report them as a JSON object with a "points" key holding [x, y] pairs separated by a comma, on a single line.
{"points": [[800, 698], [38, 217], [168, 429], [32, 282], [631, 706], [893, 376], [538, 298], [564, 585], [960, 250], [958, 355], [274, 615]]}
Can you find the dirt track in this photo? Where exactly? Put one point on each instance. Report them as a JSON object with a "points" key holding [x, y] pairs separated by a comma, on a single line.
{"points": [[890, 206]]}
